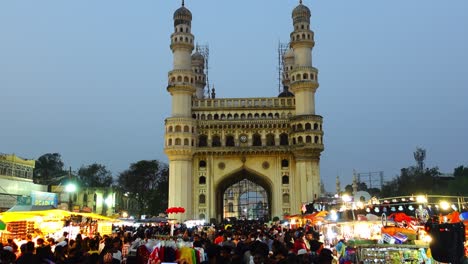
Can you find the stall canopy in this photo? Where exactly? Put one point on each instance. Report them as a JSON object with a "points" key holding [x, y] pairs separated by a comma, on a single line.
{"points": [[53, 214]]}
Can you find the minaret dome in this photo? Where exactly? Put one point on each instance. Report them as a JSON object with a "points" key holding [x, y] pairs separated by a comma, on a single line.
{"points": [[301, 14], [182, 16]]}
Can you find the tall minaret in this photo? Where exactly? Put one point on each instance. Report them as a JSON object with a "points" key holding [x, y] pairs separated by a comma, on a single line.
{"points": [[198, 66], [180, 127], [306, 127]]}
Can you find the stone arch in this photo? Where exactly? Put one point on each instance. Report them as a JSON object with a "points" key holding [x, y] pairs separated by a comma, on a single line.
{"points": [[201, 199], [202, 180], [236, 177], [256, 140], [216, 141], [270, 140], [186, 129], [229, 141], [202, 141], [284, 139]]}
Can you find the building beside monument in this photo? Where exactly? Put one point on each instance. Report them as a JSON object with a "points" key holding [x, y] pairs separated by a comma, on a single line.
{"points": [[252, 158]]}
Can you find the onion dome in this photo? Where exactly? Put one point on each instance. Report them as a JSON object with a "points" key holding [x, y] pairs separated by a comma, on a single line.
{"points": [[197, 56], [286, 93], [182, 16], [301, 14]]}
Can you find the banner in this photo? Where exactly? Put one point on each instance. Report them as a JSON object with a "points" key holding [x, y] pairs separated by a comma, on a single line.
{"points": [[44, 198]]}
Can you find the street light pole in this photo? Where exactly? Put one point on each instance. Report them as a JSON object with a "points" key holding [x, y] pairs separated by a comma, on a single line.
{"points": [[70, 188]]}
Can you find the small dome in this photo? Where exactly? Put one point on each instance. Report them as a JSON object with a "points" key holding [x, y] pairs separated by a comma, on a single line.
{"points": [[301, 14], [289, 54], [182, 16], [286, 93], [197, 56]]}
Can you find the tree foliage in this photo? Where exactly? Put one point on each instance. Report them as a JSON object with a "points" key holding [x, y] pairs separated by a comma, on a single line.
{"points": [[49, 169], [94, 175], [418, 179], [146, 181]]}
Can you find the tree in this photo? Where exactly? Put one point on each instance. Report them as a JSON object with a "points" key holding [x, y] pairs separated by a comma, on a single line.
{"points": [[146, 181], [94, 175], [48, 169], [458, 185], [415, 179]]}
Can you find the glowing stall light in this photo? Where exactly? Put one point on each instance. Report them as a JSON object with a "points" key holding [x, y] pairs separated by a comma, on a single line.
{"points": [[362, 230], [360, 204], [444, 205], [193, 223], [330, 234], [454, 207], [421, 199], [333, 215], [124, 214], [346, 198]]}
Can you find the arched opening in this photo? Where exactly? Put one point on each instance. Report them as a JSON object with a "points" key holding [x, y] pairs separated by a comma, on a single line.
{"points": [[202, 141], [285, 163], [178, 141], [186, 142], [270, 140], [300, 140], [202, 199], [202, 164], [202, 180], [308, 139], [249, 194], [315, 126], [316, 139], [299, 127], [285, 179], [169, 129], [186, 129], [256, 140], [284, 139], [169, 142], [229, 141], [216, 141], [216, 117], [178, 129], [308, 126]]}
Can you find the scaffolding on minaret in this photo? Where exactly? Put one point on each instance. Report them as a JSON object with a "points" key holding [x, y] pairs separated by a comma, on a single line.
{"points": [[205, 51], [282, 48]]}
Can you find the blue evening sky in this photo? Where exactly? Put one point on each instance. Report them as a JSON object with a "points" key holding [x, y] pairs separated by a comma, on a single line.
{"points": [[88, 78]]}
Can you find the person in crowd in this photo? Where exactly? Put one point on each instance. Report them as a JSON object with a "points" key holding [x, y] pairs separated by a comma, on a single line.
{"points": [[28, 256]]}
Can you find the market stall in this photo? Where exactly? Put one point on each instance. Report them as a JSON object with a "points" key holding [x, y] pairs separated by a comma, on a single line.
{"points": [[52, 222]]}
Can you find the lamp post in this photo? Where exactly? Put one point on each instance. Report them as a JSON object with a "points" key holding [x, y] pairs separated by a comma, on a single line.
{"points": [[70, 188]]}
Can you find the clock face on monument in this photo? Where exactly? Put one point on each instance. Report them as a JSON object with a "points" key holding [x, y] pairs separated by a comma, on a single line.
{"points": [[243, 138]]}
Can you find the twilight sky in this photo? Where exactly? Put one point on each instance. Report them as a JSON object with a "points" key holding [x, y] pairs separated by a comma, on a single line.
{"points": [[88, 78]]}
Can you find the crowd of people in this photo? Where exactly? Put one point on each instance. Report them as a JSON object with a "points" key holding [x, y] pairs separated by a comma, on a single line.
{"points": [[241, 242]]}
